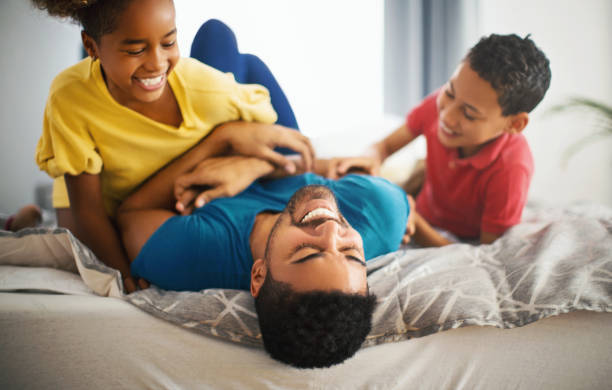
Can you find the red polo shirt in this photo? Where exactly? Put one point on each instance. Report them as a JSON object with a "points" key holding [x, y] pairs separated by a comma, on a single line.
{"points": [[484, 192]]}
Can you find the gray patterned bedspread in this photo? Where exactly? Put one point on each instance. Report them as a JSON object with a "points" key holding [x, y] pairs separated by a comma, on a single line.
{"points": [[554, 262]]}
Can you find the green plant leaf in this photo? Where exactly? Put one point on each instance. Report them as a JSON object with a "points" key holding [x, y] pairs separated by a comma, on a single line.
{"points": [[603, 113]]}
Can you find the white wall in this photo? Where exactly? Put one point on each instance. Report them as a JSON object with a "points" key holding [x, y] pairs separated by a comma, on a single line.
{"points": [[35, 48], [577, 38], [327, 55]]}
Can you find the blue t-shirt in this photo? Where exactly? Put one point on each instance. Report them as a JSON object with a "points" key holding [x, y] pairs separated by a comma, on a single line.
{"points": [[210, 248]]}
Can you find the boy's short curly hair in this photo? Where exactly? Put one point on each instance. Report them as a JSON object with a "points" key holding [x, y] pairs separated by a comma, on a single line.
{"points": [[97, 17], [312, 329], [516, 68]]}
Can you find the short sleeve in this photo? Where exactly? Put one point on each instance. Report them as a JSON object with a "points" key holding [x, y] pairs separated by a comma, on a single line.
{"points": [[376, 208], [191, 253], [420, 116], [505, 198], [253, 103], [65, 145]]}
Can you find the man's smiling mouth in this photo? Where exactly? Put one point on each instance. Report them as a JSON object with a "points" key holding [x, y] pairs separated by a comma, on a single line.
{"points": [[319, 213]]}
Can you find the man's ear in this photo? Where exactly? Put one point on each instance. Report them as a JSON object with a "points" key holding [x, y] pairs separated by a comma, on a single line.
{"points": [[258, 275], [517, 123], [90, 45]]}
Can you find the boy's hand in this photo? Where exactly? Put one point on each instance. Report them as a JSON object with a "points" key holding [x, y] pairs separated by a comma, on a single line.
{"points": [[410, 223], [338, 167], [259, 140], [217, 177]]}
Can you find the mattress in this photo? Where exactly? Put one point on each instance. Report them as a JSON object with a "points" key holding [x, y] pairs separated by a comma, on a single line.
{"points": [[87, 341]]}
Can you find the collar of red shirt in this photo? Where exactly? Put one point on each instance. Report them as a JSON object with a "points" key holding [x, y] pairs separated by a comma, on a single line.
{"points": [[485, 156]]}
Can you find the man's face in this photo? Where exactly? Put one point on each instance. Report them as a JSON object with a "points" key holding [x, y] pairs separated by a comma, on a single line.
{"points": [[312, 246]]}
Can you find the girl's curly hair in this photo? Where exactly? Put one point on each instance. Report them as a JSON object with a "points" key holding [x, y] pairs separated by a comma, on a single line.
{"points": [[97, 17]]}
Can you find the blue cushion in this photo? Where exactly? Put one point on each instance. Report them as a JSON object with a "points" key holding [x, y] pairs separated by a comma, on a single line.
{"points": [[215, 45]]}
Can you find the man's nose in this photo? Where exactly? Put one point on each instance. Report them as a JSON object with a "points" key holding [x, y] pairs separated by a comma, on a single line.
{"points": [[333, 235]]}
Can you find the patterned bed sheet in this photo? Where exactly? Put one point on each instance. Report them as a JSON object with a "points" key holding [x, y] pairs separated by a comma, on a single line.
{"points": [[556, 261]]}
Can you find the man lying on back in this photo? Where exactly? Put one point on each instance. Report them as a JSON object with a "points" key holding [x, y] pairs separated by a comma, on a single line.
{"points": [[298, 243]]}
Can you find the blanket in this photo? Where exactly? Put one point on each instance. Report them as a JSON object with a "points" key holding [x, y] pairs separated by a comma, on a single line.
{"points": [[555, 261]]}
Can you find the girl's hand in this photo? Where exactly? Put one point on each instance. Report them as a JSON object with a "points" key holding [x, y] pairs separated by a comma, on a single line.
{"points": [[259, 140], [217, 177]]}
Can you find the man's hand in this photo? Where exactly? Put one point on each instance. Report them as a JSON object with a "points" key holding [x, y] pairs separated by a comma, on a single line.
{"points": [[410, 223], [259, 140], [217, 177]]}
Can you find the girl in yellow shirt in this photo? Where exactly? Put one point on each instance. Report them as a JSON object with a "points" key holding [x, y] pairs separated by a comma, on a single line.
{"points": [[120, 115]]}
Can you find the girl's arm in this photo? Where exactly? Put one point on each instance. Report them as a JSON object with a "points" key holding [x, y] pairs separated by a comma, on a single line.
{"points": [[198, 173], [143, 212], [94, 227]]}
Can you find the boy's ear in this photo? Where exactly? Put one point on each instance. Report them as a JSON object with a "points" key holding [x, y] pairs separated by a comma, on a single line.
{"points": [[258, 275], [517, 123], [90, 45]]}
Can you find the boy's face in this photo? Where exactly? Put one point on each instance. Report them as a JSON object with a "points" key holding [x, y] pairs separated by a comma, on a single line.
{"points": [[312, 246], [469, 114], [140, 53]]}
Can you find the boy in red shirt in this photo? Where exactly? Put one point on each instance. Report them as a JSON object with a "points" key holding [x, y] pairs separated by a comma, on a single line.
{"points": [[479, 165]]}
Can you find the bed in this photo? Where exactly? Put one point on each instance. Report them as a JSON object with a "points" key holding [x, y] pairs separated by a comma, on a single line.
{"points": [[532, 310]]}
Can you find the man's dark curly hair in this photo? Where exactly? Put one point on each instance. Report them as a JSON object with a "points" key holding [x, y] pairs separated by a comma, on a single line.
{"points": [[516, 68], [97, 17], [312, 329]]}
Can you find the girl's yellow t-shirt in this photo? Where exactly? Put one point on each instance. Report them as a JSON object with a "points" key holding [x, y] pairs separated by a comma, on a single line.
{"points": [[86, 131]]}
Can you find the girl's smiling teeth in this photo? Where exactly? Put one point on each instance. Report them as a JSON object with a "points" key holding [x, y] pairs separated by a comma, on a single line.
{"points": [[152, 82]]}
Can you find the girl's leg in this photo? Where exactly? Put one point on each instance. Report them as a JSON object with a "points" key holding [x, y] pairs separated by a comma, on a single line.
{"points": [[27, 216]]}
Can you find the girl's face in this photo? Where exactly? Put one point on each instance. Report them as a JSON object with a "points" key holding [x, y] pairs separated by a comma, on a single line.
{"points": [[140, 53]]}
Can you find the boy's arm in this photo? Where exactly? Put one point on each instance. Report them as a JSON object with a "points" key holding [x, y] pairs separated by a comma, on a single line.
{"points": [[425, 235], [401, 137], [373, 158], [488, 238]]}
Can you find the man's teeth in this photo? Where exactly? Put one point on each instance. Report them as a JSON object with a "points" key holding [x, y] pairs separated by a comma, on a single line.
{"points": [[318, 213], [151, 81]]}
